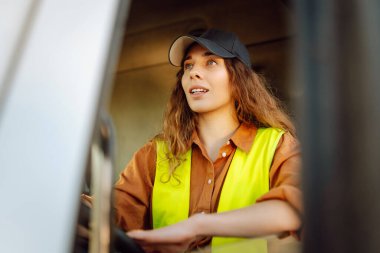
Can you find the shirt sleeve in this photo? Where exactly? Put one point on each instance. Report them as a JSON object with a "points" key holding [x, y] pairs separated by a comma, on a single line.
{"points": [[133, 190], [285, 174]]}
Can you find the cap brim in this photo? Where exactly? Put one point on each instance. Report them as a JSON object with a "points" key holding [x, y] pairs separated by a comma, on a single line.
{"points": [[179, 46]]}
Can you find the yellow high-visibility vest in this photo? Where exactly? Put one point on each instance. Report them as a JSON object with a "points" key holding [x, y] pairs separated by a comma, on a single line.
{"points": [[247, 179]]}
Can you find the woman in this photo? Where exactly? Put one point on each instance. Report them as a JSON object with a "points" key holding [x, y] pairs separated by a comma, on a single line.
{"points": [[226, 164]]}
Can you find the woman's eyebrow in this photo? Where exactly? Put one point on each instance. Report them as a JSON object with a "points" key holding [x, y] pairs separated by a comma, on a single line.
{"points": [[207, 53]]}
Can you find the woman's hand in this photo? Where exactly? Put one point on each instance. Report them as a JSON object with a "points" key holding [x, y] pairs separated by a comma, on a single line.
{"points": [[171, 239]]}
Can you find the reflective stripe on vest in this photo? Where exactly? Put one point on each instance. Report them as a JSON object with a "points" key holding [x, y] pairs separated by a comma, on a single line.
{"points": [[170, 200]]}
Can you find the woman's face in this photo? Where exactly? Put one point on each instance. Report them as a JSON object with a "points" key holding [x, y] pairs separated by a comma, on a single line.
{"points": [[206, 82]]}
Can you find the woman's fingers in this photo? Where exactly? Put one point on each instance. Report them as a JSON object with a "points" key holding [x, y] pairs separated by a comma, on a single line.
{"points": [[161, 236], [82, 231], [161, 240], [136, 234]]}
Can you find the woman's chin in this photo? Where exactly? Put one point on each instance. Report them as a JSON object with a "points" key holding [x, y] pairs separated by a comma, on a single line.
{"points": [[200, 109]]}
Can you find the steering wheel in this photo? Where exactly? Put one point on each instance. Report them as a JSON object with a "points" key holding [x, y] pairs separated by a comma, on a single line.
{"points": [[121, 243]]}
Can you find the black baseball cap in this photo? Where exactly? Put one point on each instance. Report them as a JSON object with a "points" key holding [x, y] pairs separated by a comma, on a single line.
{"points": [[220, 43]]}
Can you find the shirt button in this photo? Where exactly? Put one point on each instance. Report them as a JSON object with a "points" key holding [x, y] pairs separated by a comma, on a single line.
{"points": [[209, 181], [224, 154]]}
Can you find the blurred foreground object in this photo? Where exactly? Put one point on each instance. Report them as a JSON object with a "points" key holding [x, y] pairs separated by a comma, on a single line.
{"points": [[56, 62], [338, 72]]}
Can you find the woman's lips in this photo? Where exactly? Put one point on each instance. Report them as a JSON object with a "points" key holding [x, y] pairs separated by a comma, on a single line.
{"points": [[198, 90]]}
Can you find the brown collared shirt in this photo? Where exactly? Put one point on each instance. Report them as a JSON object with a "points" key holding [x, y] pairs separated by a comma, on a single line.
{"points": [[133, 190]]}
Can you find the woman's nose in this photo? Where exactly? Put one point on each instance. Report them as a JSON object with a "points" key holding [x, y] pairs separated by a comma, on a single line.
{"points": [[195, 73]]}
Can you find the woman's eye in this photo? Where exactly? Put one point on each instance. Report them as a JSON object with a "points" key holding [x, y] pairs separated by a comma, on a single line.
{"points": [[211, 62], [188, 66]]}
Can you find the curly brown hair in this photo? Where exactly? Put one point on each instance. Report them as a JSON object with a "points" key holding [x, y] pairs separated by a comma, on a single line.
{"points": [[254, 103]]}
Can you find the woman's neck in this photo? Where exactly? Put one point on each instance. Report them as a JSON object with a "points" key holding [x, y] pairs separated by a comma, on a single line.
{"points": [[215, 129]]}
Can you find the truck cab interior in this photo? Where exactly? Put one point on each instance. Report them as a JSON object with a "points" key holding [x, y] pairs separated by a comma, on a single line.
{"points": [[84, 84]]}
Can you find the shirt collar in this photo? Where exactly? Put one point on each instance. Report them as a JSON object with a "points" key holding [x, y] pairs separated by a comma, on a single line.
{"points": [[244, 136]]}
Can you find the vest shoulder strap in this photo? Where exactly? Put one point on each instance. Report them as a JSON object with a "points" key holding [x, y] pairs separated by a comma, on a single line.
{"points": [[171, 194], [248, 175], [247, 179]]}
